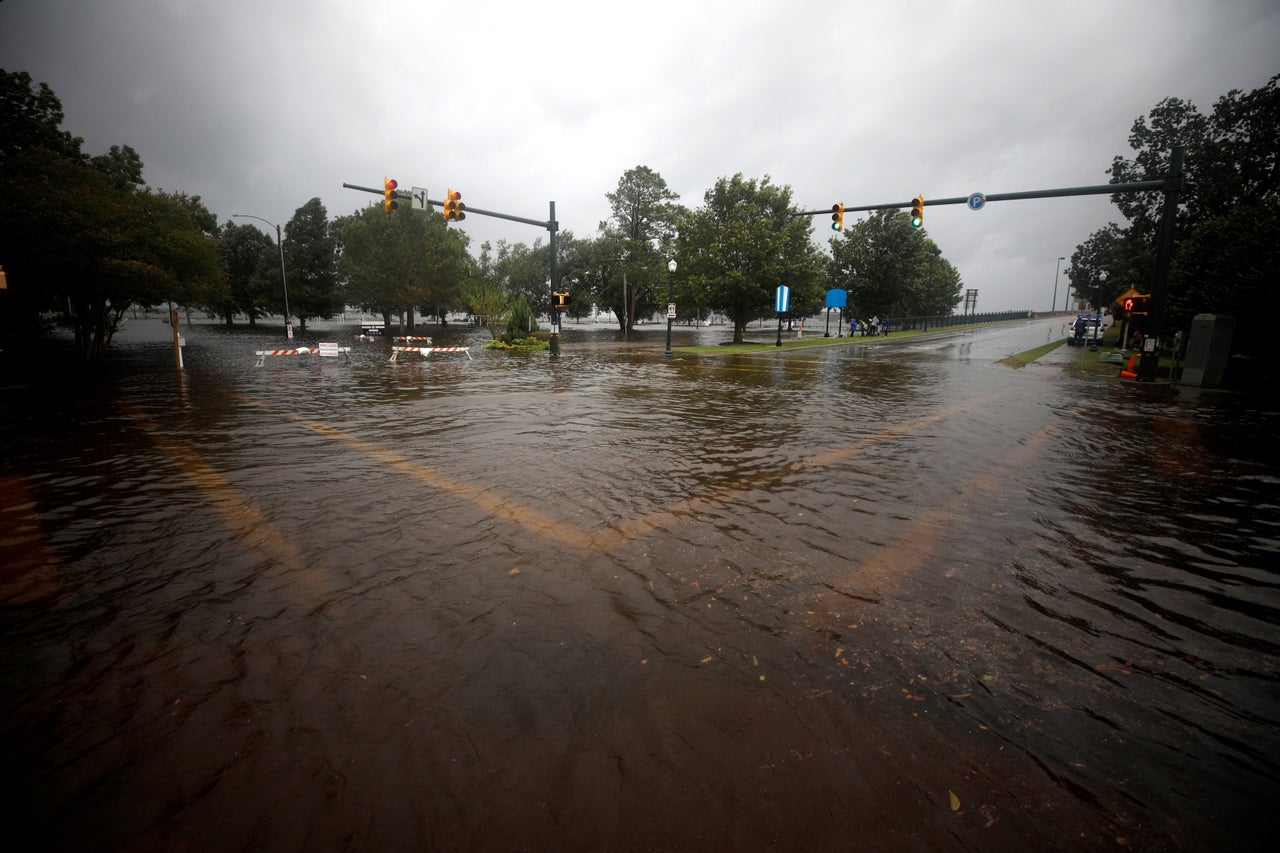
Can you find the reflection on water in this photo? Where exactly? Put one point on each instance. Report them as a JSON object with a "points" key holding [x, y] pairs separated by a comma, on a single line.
{"points": [[878, 593]]}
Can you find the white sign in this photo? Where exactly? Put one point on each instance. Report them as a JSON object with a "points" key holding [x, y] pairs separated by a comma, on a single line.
{"points": [[419, 198], [328, 350], [671, 310]]}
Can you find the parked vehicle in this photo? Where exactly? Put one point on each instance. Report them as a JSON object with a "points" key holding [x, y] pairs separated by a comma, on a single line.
{"points": [[1087, 330]]}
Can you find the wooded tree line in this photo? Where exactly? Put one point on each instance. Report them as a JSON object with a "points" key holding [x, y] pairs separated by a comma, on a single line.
{"points": [[1228, 221], [83, 239]]}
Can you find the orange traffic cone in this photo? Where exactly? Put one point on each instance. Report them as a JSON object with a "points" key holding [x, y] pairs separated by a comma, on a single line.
{"points": [[1129, 372]]}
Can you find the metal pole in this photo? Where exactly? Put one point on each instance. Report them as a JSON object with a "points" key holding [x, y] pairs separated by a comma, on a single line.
{"points": [[552, 225], [1053, 304], [177, 348], [288, 327], [671, 281]]}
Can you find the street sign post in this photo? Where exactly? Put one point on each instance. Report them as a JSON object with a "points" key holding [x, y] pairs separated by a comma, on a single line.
{"points": [[782, 304]]}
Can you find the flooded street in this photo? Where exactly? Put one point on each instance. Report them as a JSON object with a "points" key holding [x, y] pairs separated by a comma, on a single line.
{"points": [[882, 593]]}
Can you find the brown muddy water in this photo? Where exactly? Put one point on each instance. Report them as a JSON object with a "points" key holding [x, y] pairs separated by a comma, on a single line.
{"points": [[882, 594]]}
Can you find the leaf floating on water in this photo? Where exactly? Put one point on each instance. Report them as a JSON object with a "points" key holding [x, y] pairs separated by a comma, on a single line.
{"points": [[707, 659], [955, 801], [514, 572], [754, 662]]}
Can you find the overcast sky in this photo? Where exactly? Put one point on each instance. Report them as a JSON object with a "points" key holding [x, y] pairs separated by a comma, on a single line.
{"points": [[258, 107]]}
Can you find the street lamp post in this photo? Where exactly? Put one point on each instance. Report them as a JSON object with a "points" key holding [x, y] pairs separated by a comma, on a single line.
{"points": [[1054, 303], [288, 327], [671, 282]]}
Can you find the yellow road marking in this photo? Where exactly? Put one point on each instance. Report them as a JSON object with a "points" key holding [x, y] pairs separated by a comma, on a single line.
{"points": [[245, 521], [911, 547], [562, 531]]}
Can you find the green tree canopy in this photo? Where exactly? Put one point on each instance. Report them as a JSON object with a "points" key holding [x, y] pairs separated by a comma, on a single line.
{"points": [[31, 116], [400, 262], [310, 256], [891, 268], [625, 268], [241, 248], [79, 237], [743, 242]]}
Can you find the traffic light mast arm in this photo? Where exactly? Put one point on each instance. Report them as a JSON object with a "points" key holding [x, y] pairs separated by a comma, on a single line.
{"points": [[541, 223], [1103, 189]]}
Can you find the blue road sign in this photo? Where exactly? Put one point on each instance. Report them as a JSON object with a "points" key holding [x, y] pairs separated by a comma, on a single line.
{"points": [[837, 298], [782, 299], [976, 201]]}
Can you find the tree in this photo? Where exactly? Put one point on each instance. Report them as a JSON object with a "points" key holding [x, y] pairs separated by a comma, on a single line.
{"points": [[484, 292], [241, 248], [310, 252], [122, 167], [1110, 262], [520, 322], [79, 237], [630, 259], [740, 245], [889, 267], [397, 263], [32, 117], [525, 271], [1226, 223]]}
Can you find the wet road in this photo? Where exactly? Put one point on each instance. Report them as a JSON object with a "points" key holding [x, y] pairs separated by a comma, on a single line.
{"points": [[884, 593]]}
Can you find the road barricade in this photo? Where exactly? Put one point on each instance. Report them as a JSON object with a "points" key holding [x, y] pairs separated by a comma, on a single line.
{"points": [[324, 350], [426, 351]]}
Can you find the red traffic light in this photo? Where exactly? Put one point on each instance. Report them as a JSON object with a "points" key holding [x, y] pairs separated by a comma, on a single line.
{"points": [[454, 209], [389, 194]]}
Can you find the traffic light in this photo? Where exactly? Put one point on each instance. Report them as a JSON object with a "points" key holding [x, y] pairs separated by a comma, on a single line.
{"points": [[454, 209], [917, 211], [1136, 306], [389, 194], [562, 300], [837, 217]]}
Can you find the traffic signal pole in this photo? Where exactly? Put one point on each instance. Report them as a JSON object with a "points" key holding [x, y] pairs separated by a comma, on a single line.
{"points": [[1170, 185], [550, 224], [1150, 361]]}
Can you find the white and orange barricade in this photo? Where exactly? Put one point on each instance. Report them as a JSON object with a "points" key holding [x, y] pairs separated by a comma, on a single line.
{"points": [[324, 350], [426, 351], [412, 339]]}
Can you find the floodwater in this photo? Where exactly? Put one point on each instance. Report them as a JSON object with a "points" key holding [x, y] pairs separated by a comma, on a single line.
{"points": [[882, 594]]}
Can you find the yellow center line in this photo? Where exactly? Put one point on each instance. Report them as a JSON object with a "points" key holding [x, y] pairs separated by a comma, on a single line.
{"points": [[245, 521], [918, 542], [624, 531]]}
